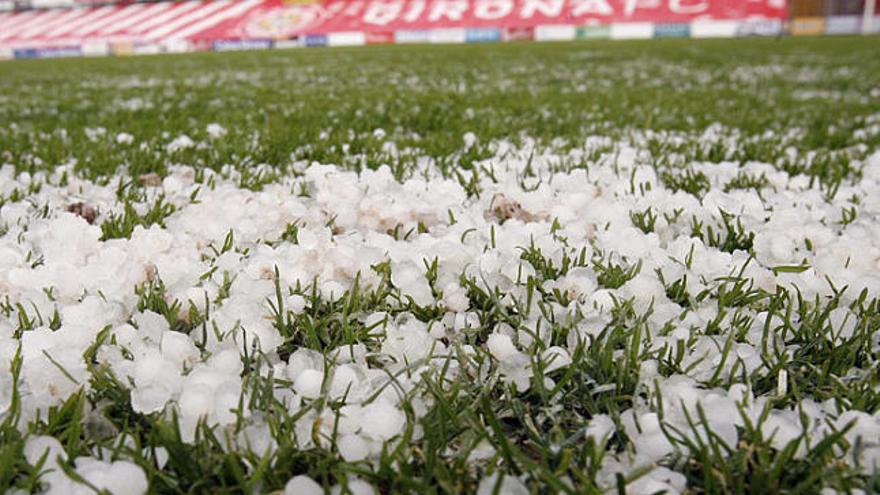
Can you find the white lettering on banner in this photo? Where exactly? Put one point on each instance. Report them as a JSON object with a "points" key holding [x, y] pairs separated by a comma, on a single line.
{"points": [[590, 7], [382, 13], [676, 7], [354, 8], [492, 9], [632, 5], [448, 9], [548, 8], [416, 7], [334, 8], [331, 10]]}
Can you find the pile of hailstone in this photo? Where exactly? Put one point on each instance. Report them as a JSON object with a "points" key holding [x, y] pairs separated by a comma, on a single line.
{"points": [[185, 309]]}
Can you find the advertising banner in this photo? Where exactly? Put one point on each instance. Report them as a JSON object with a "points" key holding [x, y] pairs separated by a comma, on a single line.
{"points": [[405, 36], [714, 29], [239, 45], [447, 35], [843, 24], [352, 38], [482, 35], [291, 43], [96, 49], [759, 27], [808, 26], [594, 32], [380, 38], [555, 33], [314, 40], [519, 34], [632, 31], [676, 30], [123, 48], [57, 52]]}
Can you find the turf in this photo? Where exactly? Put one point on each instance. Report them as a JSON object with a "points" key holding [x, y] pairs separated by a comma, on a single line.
{"points": [[806, 106]]}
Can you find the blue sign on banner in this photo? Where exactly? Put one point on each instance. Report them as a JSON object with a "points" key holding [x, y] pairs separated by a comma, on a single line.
{"points": [[25, 53], [58, 52], [482, 35], [231, 45], [316, 40], [678, 30]]}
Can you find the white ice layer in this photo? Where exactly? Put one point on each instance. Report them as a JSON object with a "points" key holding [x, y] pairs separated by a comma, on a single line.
{"points": [[223, 255]]}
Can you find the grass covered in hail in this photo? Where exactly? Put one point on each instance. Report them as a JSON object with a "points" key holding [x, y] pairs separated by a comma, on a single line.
{"points": [[547, 268]]}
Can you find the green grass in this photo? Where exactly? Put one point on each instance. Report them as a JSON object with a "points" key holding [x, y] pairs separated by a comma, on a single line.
{"points": [[276, 104], [286, 108]]}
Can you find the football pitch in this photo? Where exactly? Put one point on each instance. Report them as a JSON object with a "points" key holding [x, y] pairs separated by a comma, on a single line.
{"points": [[587, 267]]}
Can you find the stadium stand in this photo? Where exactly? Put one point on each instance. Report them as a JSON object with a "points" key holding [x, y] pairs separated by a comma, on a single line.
{"points": [[90, 27]]}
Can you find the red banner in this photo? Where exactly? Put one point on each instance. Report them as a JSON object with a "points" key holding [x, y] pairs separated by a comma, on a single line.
{"points": [[274, 20]]}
